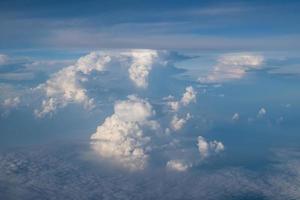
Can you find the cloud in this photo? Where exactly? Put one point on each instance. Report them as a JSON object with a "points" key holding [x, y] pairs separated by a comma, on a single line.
{"points": [[65, 86], [11, 102], [232, 67], [208, 148], [189, 96], [121, 136], [178, 123], [235, 117], [177, 165], [262, 112], [141, 66]]}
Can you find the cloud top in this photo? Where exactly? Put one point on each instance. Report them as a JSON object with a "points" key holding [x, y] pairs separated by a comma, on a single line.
{"points": [[232, 67]]}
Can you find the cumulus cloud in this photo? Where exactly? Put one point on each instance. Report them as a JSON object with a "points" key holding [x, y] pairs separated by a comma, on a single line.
{"points": [[178, 123], [65, 86], [233, 66], [207, 148], [141, 66], [121, 137], [262, 112], [177, 165], [189, 96]]}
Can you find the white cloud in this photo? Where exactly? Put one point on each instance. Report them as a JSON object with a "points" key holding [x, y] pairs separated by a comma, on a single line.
{"points": [[65, 87], [262, 112], [133, 110], [233, 66], [121, 136], [189, 96], [177, 165], [11, 102], [236, 117], [141, 66], [178, 123], [207, 148]]}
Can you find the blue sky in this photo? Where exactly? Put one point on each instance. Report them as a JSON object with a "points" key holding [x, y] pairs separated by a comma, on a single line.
{"points": [[185, 99], [201, 25]]}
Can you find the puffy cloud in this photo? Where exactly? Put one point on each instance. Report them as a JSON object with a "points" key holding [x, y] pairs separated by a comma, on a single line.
{"points": [[262, 112], [141, 66], [207, 148], [134, 110], [189, 96], [65, 86], [177, 165], [121, 137], [233, 66], [235, 117], [178, 123]]}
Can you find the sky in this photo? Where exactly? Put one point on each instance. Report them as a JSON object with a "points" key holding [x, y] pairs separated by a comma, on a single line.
{"points": [[149, 100], [35, 26]]}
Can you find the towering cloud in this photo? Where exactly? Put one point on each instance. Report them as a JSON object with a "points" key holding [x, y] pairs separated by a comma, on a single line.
{"points": [[141, 66], [233, 66], [121, 137]]}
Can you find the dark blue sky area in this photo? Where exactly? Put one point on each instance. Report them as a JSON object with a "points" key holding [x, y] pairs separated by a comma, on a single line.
{"points": [[201, 25]]}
